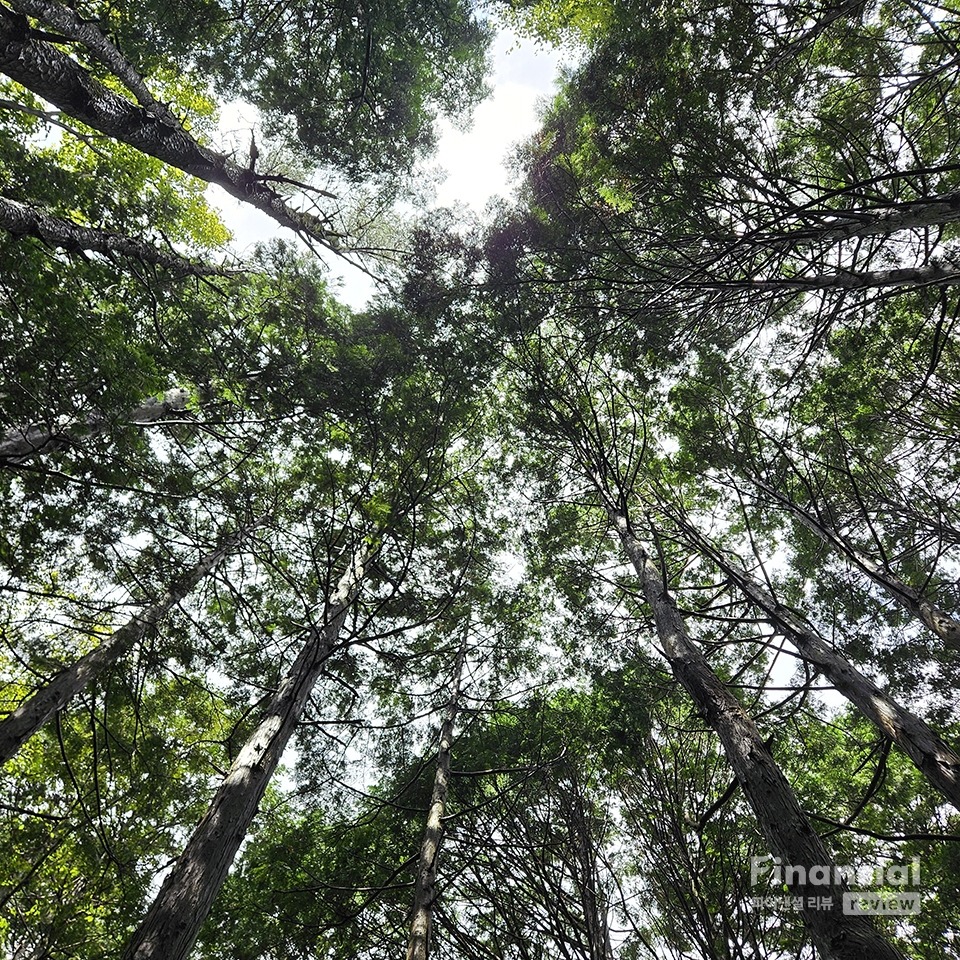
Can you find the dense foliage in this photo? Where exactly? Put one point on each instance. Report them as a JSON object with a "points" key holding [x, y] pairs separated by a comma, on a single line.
{"points": [[609, 552]]}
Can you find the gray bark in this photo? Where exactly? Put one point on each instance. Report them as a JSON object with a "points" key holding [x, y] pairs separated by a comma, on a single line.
{"points": [[68, 23], [584, 868], [880, 222], [20, 443], [783, 823], [31, 715], [424, 895], [21, 220], [171, 925], [932, 756], [52, 75]]}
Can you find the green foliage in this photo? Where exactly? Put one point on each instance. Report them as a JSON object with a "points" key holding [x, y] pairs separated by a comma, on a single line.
{"points": [[81, 854], [614, 342], [355, 90]]}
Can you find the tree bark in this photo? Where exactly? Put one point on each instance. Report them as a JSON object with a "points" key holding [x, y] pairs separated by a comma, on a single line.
{"points": [[68, 23], [785, 826], [932, 756], [586, 876], [878, 222], [172, 923], [424, 894], [909, 598], [21, 220], [31, 715], [21, 443], [57, 78]]}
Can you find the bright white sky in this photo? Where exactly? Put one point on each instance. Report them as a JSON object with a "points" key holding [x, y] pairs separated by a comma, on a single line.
{"points": [[523, 73]]}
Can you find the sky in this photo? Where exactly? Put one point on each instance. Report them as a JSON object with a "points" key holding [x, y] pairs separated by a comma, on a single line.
{"points": [[523, 74], [474, 160]]}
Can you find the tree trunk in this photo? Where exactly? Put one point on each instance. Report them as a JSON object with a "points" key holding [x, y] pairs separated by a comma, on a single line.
{"points": [[424, 894], [931, 755], [909, 598], [52, 75], [877, 222], [31, 715], [18, 444], [68, 23], [785, 826], [933, 274], [172, 923], [580, 829], [22, 221]]}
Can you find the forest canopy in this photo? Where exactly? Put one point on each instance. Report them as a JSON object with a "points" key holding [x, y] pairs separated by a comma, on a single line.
{"points": [[591, 593]]}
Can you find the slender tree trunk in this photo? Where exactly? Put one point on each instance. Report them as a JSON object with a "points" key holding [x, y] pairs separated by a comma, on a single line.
{"points": [[932, 756], [172, 923], [22, 221], [782, 821], [31, 715], [934, 274], [909, 598], [57, 78], [424, 894], [877, 222], [18, 444], [580, 828]]}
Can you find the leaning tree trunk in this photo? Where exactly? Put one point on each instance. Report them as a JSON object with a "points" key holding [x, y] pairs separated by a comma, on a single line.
{"points": [[172, 923], [935, 211], [31, 715], [57, 78], [947, 628], [424, 894], [782, 821], [20, 443], [931, 274], [70, 24], [21, 220], [932, 756]]}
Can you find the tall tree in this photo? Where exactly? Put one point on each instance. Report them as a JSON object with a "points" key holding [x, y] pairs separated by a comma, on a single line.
{"points": [[173, 921], [23, 722], [425, 892]]}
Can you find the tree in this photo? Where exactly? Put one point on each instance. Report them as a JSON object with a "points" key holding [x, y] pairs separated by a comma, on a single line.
{"points": [[424, 889], [23, 722], [628, 484], [580, 422], [363, 107], [171, 925]]}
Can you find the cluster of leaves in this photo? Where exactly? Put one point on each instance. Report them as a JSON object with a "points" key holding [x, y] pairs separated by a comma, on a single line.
{"points": [[627, 340]]}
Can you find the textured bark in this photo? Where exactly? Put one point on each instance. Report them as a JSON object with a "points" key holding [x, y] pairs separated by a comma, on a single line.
{"points": [[881, 221], [424, 895], [19, 444], [932, 756], [909, 598], [172, 923], [52, 75], [31, 715], [69, 24], [782, 821], [21, 220]]}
